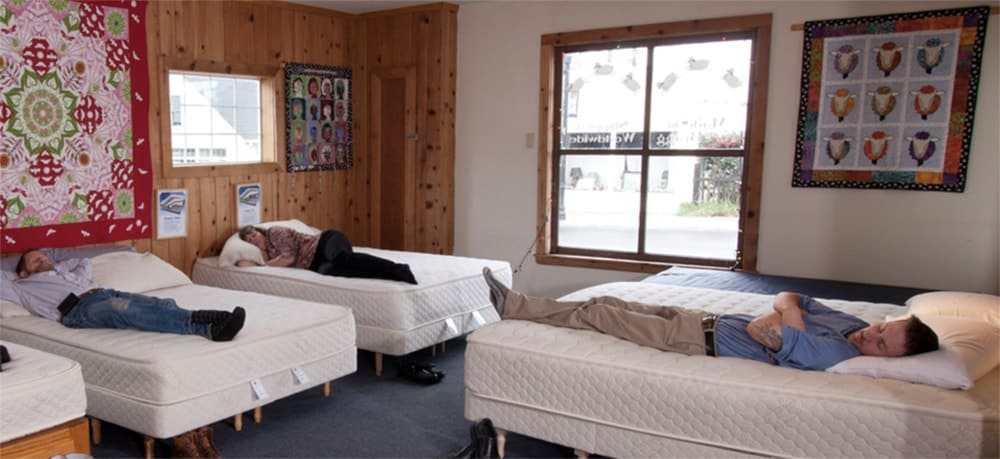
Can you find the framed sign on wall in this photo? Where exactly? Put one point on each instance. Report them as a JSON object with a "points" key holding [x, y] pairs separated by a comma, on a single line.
{"points": [[171, 213], [247, 204], [889, 101]]}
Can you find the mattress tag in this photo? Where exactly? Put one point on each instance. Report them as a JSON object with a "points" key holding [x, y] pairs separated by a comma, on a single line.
{"points": [[478, 318], [452, 328], [300, 376], [258, 389]]}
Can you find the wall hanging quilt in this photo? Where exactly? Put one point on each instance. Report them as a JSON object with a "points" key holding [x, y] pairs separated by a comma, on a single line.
{"points": [[318, 108], [888, 101], [74, 161]]}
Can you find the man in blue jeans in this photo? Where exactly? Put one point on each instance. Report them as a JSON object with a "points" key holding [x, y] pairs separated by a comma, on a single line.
{"points": [[66, 292]]}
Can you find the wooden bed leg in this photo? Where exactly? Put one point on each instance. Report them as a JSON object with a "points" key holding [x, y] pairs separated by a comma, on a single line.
{"points": [[501, 442], [442, 347], [238, 421], [581, 454], [258, 414], [95, 431], [378, 364], [434, 350], [147, 446], [326, 389]]}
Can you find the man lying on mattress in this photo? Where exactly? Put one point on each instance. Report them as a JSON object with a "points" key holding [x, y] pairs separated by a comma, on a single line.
{"points": [[800, 333], [66, 292]]}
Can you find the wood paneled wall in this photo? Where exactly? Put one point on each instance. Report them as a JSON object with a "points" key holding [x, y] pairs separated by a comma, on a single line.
{"points": [[424, 39], [268, 33]]}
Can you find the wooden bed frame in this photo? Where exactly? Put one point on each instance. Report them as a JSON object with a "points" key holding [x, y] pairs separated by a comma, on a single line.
{"points": [[65, 438]]}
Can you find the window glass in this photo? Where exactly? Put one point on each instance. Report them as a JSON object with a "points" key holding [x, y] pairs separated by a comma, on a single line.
{"points": [[221, 118], [693, 206], [598, 205], [699, 95], [603, 99]]}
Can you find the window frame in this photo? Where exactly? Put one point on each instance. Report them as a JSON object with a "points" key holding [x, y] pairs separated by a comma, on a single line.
{"points": [[271, 107], [759, 28]]}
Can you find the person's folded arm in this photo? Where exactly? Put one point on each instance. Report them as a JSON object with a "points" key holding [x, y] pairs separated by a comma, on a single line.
{"points": [[787, 305], [281, 261], [766, 329]]}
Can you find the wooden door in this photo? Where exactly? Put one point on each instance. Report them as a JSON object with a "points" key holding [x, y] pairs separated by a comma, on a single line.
{"points": [[394, 140]]}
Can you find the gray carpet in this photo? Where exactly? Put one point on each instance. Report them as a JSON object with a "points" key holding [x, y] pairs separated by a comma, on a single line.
{"points": [[364, 416]]}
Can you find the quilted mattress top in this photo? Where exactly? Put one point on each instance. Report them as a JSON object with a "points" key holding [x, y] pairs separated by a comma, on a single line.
{"points": [[38, 390], [448, 285], [728, 402], [161, 369]]}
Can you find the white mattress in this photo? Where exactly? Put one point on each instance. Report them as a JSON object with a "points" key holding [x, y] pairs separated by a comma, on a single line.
{"points": [[395, 318], [38, 390], [164, 384], [607, 396]]}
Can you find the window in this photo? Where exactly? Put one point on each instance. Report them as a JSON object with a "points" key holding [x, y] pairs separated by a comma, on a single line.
{"points": [[653, 152], [220, 115]]}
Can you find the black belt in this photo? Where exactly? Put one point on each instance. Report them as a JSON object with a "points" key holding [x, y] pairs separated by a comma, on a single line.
{"points": [[71, 301], [708, 324]]}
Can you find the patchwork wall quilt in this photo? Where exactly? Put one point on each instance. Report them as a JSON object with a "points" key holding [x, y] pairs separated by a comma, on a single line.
{"points": [[74, 162], [888, 101]]}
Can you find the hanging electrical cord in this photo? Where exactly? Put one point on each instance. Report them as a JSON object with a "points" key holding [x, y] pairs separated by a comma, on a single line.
{"points": [[534, 242]]}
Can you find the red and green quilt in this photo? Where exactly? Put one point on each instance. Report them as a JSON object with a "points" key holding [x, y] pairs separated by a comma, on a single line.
{"points": [[74, 157]]}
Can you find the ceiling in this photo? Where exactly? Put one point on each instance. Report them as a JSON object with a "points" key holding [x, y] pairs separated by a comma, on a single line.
{"points": [[360, 6]]}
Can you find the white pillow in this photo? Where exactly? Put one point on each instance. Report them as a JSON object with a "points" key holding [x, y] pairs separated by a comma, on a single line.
{"points": [[236, 249], [969, 350], [942, 368], [9, 309], [136, 272], [977, 306]]}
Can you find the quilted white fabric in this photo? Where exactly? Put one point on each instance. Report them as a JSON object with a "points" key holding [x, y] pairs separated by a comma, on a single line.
{"points": [[38, 390], [394, 318], [164, 384], [607, 396]]}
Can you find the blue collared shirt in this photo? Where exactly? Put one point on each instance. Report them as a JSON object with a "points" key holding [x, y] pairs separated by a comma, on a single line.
{"points": [[822, 345]]}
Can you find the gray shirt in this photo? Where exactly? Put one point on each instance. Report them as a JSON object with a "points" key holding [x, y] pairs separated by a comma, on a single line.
{"points": [[41, 293]]}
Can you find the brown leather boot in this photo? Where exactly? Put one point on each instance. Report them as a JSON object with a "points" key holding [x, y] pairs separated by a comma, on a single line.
{"points": [[186, 446], [205, 443]]}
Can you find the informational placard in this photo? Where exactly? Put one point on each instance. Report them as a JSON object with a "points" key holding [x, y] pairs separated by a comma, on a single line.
{"points": [[247, 204], [171, 213]]}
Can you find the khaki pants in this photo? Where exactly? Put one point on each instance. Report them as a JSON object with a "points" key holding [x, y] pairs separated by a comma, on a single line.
{"points": [[668, 328]]}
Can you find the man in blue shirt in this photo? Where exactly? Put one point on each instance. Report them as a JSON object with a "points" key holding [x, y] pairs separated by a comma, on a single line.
{"points": [[66, 292], [800, 333]]}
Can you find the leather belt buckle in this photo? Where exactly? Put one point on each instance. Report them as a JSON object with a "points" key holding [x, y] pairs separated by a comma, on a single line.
{"points": [[708, 324]]}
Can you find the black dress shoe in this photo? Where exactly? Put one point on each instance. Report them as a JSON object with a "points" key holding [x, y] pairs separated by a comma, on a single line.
{"points": [[420, 373]]}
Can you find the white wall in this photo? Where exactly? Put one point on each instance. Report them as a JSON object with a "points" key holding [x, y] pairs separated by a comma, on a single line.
{"points": [[921, 239]]}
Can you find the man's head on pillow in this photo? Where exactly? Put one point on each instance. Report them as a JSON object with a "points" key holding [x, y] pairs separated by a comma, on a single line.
{"points": [[895, 338], [33, 261]]}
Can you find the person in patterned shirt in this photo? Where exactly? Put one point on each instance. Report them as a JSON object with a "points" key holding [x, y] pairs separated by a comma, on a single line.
{"points": [[328, 253]]}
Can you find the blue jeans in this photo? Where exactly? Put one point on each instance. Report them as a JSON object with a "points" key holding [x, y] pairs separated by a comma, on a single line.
{"points": [[108, 308]]}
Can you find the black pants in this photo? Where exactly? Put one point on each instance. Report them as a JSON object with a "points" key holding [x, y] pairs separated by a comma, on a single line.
{"points": [[335, 257]]}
